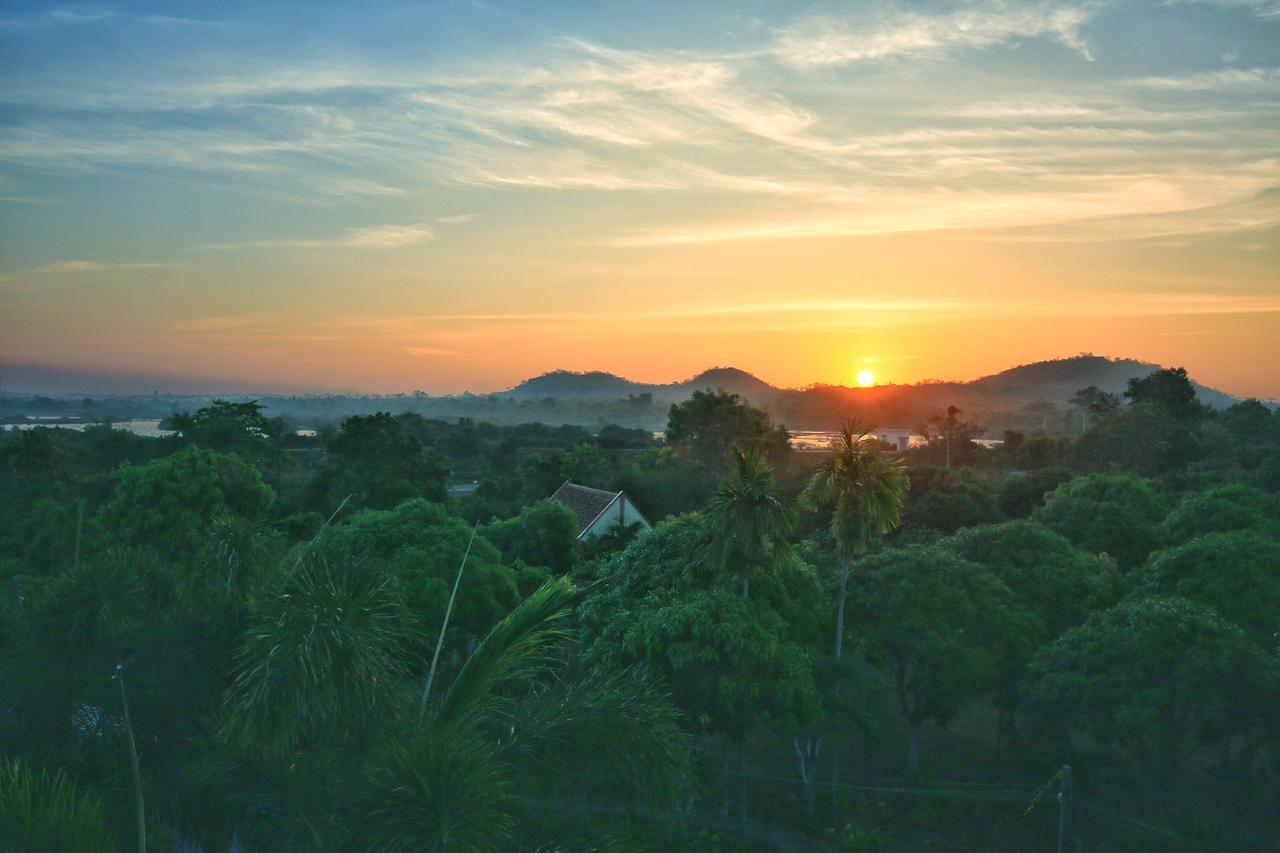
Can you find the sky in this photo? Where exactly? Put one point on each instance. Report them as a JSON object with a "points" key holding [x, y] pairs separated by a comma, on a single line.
{"points": [[455, 196]]}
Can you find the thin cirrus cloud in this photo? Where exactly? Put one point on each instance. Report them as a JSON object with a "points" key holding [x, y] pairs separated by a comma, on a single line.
{"points": [[576, 115], [371, 237], [820, 42], [67, 267]]}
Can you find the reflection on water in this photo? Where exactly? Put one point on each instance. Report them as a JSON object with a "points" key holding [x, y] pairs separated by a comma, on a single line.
{"points": [[149, 428]]}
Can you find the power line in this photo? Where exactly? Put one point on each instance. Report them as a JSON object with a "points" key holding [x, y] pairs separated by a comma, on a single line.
{"points": [[1141, 826]]}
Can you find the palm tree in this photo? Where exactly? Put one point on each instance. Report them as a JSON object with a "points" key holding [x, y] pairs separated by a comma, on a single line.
{"points": [[748, 519], [511, 736], [866, 490], [324, 682]]}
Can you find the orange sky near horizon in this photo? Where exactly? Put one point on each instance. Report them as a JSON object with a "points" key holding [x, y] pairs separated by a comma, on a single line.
{"points": [[458, 197]]}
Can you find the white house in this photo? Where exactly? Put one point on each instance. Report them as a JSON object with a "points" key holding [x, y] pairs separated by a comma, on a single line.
{"points": [[900, 439], [599, 511]]}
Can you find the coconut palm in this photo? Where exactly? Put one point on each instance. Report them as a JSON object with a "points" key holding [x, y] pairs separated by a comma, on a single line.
{"points": [[865, 490], [748, 520]]}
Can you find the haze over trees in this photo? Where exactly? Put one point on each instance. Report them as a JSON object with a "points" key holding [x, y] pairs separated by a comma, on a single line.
{"points": [[845, 649]]}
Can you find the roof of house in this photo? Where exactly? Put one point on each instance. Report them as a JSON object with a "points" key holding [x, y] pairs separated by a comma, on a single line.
{"points": [[585, 502]]}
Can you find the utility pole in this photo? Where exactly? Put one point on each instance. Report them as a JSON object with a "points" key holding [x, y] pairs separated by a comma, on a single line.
{"points": [[1064, 808]]}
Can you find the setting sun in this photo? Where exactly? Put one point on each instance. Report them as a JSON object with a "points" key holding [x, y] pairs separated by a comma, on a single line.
{"points": [[866, 378]]}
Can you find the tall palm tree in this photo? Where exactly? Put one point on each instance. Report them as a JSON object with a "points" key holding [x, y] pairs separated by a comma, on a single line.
{"points": [[866, 490], [748, 519], [516, 739]]}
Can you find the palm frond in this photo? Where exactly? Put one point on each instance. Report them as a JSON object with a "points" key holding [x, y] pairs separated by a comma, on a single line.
{"points": [[748, 520], [328, 649], [520, 648], [440, 791], [48, 811], [611, 736]]}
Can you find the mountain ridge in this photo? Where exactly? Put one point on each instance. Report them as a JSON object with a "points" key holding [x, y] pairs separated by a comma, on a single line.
{"points": [[1051, 380]]}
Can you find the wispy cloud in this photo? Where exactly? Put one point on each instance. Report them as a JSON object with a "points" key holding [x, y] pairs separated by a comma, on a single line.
{"points": [[820, 42], [1215, 80], [458, 219], [61, 267], [370, 237]]}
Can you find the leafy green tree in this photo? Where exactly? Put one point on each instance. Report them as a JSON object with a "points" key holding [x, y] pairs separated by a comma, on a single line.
{"points": [[1022, 494], [376, 458], [1169, 388], [227, 426], [1152, 679], [950, 505], [949, 439], [944, 630], [731, 663], [543, 534], [1143, 438], [1093, 402], [1235, 573], [1219, 510], [1115, 514], [170, 504], [1057, 582], [420, 544], [748, 521], [705, 428], [865, 491]]}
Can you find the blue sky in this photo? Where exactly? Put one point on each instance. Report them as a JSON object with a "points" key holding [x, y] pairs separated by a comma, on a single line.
{"points": [[456, 195]]}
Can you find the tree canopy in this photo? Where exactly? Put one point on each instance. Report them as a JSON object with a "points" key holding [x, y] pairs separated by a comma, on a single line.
{"points": [[1115, 514]]}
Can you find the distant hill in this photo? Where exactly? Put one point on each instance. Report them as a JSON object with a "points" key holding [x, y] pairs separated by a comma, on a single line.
{"points": [[596, 385], [997, 399], [568, 385], [1059, 379], [1027, 397]]}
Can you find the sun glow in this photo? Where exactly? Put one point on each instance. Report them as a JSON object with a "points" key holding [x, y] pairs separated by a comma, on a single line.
{"points": [[866, 378]]}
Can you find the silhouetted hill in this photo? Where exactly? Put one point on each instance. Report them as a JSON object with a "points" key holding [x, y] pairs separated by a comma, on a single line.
{"points": [[1029, 395], [568, 385], [733, 380], [1060, 378]]}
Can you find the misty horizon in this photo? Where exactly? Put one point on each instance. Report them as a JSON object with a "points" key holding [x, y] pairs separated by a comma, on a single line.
{"points": [[19, 378]]}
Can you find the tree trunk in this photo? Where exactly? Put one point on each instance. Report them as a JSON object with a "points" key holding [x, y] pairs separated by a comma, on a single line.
{"points": [[844, 587], [742, 786], [913, 749], [807, 763], [724, 784], [835, 781], [835, 753], [746, 588]]}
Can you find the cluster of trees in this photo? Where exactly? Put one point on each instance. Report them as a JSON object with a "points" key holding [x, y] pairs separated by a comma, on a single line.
{"points": [[222, 637]]}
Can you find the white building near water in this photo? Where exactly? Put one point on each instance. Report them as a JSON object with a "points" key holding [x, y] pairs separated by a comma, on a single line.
{"points": [[599, 511], [900, 439]]}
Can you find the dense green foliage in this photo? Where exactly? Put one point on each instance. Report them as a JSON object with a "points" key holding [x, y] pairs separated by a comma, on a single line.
{"points": [[278, 612]]}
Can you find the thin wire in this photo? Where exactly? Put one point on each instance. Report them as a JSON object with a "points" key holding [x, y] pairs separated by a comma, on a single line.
{"points": [[1133, 822]]}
